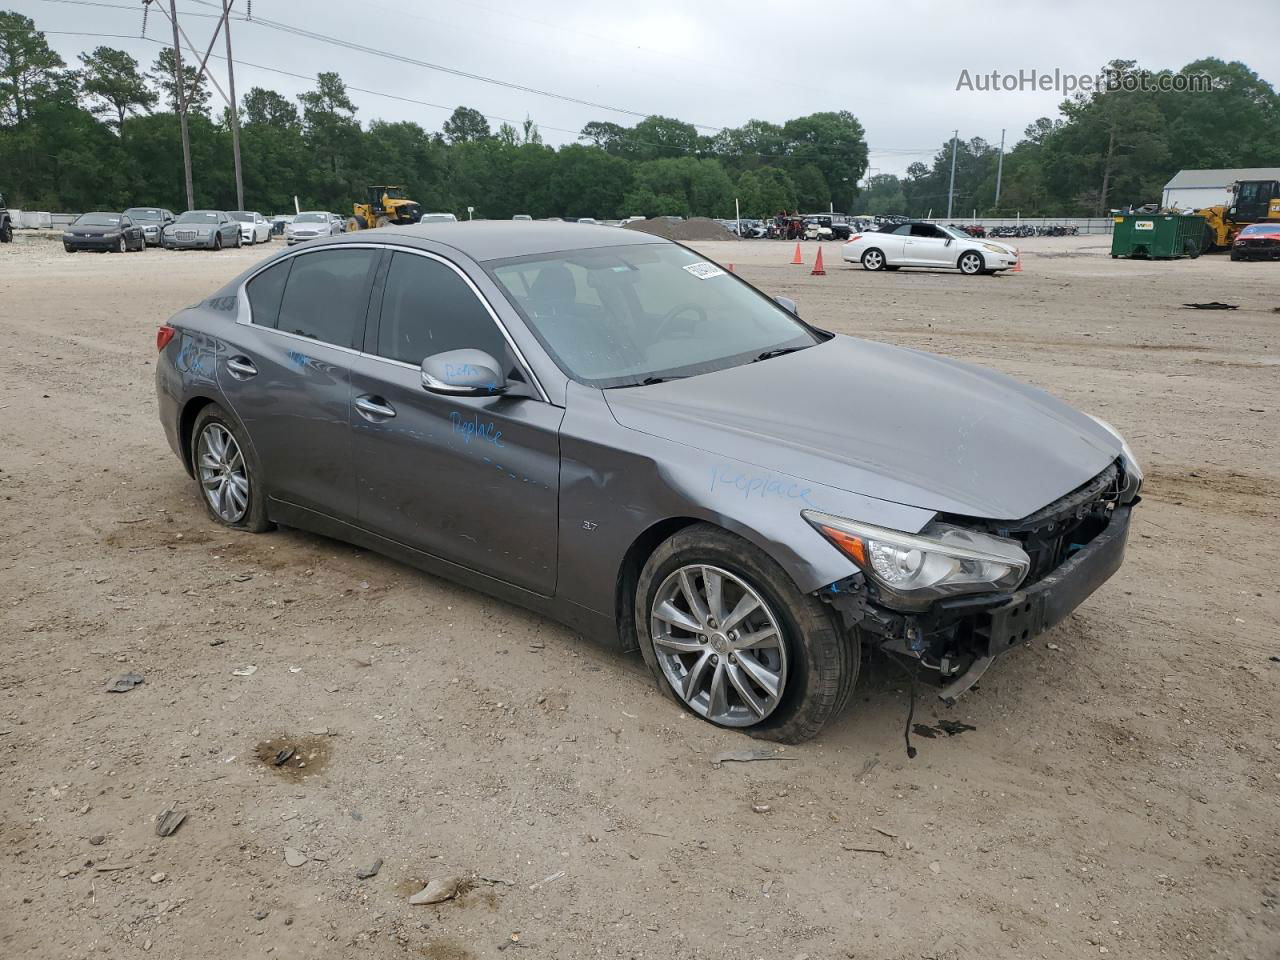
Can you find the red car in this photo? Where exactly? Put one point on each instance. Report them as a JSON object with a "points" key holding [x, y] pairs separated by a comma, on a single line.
{"points": [[1258, 241]]}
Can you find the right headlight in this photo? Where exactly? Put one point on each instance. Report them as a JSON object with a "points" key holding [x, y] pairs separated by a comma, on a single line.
{"points": [[912, 570]]}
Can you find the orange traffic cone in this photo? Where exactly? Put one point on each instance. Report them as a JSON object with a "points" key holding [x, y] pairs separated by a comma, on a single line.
{"points": [[797, 258], [817, 270], [1017, 266]]}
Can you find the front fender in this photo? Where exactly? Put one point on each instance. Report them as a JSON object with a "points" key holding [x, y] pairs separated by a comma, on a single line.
{"points": [[617, 483]]}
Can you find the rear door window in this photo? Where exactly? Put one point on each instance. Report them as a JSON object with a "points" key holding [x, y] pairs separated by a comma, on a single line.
{"points": [[326, 295]]}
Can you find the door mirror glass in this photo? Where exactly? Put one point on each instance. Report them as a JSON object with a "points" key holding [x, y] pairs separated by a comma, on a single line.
{"points": [[786, 303], [466, 372]]}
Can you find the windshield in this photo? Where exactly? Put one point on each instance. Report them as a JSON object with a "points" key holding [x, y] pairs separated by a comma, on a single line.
{"points": [[622, 316], [393, 193], [311, 218], [144, 213], [98, 220], [199, 216], [242, 215]]}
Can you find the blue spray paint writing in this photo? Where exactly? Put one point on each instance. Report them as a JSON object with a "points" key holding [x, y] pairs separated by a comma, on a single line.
{"points": [[473, 428], [459, 370], [758, 485], [192, 359], [299, 360]]}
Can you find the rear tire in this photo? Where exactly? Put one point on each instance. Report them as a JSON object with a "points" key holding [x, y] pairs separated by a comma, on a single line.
{"points": [[215, 424], [817, 664]]}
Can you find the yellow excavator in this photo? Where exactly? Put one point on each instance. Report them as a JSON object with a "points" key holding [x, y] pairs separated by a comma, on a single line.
{"points": [[385, 206], [1252, 201]]}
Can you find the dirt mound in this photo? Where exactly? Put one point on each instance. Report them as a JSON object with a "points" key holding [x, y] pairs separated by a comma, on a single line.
{"points": [[698, 228]]}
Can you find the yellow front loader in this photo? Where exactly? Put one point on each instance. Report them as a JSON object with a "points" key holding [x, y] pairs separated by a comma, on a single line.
{"points": [[385, 206], [1252, 201]]}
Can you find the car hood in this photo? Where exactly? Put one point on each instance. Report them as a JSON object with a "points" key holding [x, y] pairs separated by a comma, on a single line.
{"points": [[885, 422], [93, 230], [205, 227]]}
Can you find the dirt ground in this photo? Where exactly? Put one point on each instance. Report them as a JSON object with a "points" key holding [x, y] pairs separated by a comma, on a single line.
{"points": [[1120, 793]]}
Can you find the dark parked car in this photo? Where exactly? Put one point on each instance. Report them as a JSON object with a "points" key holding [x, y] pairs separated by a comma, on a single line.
{"points": [[6, 224], [103, 232], [153, 220], [605, 427], [1258, 241], [203, 229]]}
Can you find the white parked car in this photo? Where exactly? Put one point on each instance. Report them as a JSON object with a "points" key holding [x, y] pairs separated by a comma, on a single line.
{"points": [[311, 224], [438, 218], [916, 244], [254, 227]]}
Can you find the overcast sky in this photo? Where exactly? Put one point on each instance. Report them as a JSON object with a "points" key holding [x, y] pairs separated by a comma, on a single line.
{"points": [[716, 63]]}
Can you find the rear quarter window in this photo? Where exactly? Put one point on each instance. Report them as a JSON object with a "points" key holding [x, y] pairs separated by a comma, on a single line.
{"points": [[265, 292]]}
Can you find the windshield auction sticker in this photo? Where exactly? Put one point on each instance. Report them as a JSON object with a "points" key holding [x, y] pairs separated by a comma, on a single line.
{"points": [[704, 270]]}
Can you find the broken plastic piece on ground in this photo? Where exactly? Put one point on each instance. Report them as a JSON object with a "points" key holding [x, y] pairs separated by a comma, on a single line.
{"points": [[283, 755], [125, 683], [1213, 305], [745, 756], [169, 821]]}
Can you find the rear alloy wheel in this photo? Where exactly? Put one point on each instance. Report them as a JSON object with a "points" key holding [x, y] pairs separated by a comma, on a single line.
{"points": [[729, 637], [873, 259], [226, 472], [971, 263]]}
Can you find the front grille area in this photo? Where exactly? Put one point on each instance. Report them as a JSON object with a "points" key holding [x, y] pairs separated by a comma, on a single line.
{"points": [[184, 234], [1053, 533]]}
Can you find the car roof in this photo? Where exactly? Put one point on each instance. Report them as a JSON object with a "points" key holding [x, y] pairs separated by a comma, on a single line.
{"points": [[500, 239]]}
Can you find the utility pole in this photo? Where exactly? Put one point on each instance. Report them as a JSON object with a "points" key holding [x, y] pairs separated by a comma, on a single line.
{"points": [[235, 110], [951, 191], [999, 171], [181, 105]]}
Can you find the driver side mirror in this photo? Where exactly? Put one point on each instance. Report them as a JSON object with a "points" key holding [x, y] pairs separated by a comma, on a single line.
{"points": [[787, 304], [471, 373]]}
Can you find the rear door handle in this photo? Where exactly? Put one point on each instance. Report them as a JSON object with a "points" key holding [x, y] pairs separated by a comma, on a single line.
{"points": [[374, 409], [242, 368]]}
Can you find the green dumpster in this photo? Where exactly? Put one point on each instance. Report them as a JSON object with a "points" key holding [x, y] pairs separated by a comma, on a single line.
{"points": [[1157, 236]]}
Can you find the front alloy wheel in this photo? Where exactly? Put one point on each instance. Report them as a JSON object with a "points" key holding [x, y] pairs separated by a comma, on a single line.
{"points": [[971, 263], [719, 645], [224, 477], [729, 636]]}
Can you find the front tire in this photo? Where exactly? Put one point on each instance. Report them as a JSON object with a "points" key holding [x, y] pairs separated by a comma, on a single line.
{"points": [[729, 637], [122, 246], [227, 473], [873, 260], [971, 263], [217, 241]]}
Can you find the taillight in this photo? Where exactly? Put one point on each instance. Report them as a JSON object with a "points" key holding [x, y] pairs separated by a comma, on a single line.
{"points": [[164, 335]]}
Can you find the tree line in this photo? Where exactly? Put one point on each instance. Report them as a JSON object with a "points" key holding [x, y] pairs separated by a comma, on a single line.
{"points": [[103, 133]]}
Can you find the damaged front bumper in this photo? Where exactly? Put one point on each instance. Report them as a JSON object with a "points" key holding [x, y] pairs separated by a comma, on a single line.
{"points": [[961, 636]]}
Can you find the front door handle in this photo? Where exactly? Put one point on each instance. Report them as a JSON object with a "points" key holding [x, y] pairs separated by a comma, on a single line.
{"points": [[241, 368], [374, 409]]}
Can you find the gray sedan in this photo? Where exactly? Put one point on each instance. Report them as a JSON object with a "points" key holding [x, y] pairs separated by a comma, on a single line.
{"points": [[609, 429], [202, 229]]}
